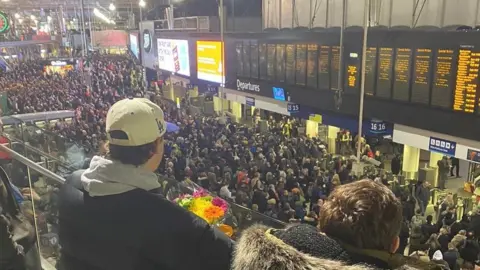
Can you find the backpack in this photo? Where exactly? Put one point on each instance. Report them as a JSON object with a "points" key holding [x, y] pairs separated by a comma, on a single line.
{"points": [[17, 235]]}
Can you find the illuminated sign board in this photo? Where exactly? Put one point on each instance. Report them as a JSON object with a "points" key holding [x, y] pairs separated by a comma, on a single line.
{"points": [[173, 56], [209, 61], [134, 45], [147, 41], [4, 23]]}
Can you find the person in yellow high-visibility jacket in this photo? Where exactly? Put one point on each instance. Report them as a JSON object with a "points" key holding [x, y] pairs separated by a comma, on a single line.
{"points": [[286, 129]]}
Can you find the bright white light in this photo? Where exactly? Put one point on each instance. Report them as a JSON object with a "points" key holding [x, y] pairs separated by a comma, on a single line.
{"points": [[35, 21], [111, 7], [32, 17], [49, 19], [20, 20], [5, 0], [142, 3], [101, 16], [17, 16]]}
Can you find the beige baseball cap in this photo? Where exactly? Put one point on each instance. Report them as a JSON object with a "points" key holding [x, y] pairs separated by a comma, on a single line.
{"points": [[134, 122]]}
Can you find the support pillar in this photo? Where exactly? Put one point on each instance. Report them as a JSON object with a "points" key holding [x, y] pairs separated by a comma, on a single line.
{"points": [[311, 129], [193, 92], [236, 109], [434, 158], [411, 159], [332, 139]]}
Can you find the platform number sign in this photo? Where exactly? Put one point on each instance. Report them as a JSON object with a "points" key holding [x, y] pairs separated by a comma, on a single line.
{"points": [[442, 146], [293, 108], [377, 126], [4, 23]]}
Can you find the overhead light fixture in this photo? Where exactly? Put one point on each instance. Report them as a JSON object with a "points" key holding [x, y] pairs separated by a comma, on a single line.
{"points": [[102, 16], [32, 17], [49, 19], [17, 15], [142, 3], [111, 7]]}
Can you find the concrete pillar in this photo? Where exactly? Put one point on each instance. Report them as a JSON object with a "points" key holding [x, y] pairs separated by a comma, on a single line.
{"points": [[434, 158], [411, 158], [332, 139], [193, 92], [217, 105], [311, 129], [236, 109]]}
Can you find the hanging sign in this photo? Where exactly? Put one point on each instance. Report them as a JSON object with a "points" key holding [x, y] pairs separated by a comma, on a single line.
{"points": [[4, 23]]}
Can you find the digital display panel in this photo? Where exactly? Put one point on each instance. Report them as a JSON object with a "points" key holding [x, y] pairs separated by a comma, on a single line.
{"points": [[239, 54], [278, 93], [324, 67], [280, 63], [443, 83], [134, 48], [209, 61], [253, 59], [335, 67], [246, 59], [262, 53], [290, 63], [301, 64], [173, 56], [385, 70], [401, 84], [465, 95], [271, 61], [370, 69], [312, 61], [352, 71], [421, 76]]}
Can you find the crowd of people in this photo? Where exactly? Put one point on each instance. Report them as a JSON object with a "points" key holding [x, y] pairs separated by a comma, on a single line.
{"points": [[279, 173]]}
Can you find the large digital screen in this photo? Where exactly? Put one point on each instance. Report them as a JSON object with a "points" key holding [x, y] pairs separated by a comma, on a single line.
{"points": [[324, 67], [443, 78], [421, 76], [209, 61], [352, 71], [134, 45], [173, 56], [401, 83], [370, 70], [464, 98], [385, 70]]}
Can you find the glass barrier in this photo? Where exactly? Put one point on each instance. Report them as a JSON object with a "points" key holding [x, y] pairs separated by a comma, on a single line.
{"points": [[39, 178]]}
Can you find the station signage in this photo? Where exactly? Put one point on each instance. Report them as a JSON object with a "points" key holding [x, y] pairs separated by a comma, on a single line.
{"points": [[247, 86], [293, 108], [4, 23], [442, 146], [250, 101], [147, 40]]}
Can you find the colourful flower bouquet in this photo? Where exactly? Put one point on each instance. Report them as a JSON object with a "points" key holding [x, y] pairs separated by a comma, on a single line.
{"points": [[203, 204]]}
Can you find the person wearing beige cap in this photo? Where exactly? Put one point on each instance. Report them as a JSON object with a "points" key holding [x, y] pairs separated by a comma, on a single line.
{"points": [[112, 216]]}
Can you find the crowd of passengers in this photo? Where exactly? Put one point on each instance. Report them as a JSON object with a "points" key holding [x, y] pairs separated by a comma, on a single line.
{"points": [[336, 221]]}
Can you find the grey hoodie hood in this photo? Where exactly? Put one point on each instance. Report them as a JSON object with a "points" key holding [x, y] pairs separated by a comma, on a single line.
{"points": [[108, 177]]}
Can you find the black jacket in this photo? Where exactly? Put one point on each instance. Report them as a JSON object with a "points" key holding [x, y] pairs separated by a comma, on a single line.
{"points": [[134, 230]]}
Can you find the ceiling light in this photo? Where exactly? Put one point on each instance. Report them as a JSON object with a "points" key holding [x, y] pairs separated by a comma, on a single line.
{"points": [[142, 3], [111, 7], [17, 15]]}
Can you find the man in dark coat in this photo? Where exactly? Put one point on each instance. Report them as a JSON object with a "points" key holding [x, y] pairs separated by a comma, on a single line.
{"points": [[112, 215]]}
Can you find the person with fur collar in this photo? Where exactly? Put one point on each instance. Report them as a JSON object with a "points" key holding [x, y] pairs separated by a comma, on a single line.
{"points": [[358, 230]]}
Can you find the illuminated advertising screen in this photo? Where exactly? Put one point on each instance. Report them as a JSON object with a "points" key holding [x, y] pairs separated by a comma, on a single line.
{"points": [[134, 46], [173, 56], [209, 61]]}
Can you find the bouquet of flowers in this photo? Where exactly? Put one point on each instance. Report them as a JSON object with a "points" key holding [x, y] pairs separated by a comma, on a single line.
{"points": [[203, 204]]}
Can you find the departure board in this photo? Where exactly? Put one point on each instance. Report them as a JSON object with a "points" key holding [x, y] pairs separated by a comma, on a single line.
{"points": [[280, 74], [465, 95], [312, 61], [301, 64], [324, 67], [271, 61], [385, 70], [335, 64], [239, 54], [290, 63], [421, 76], [352, 71], [246, 59], [262, 54], [254, 59], [443, 83], [401, 83], [370, 68]]}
